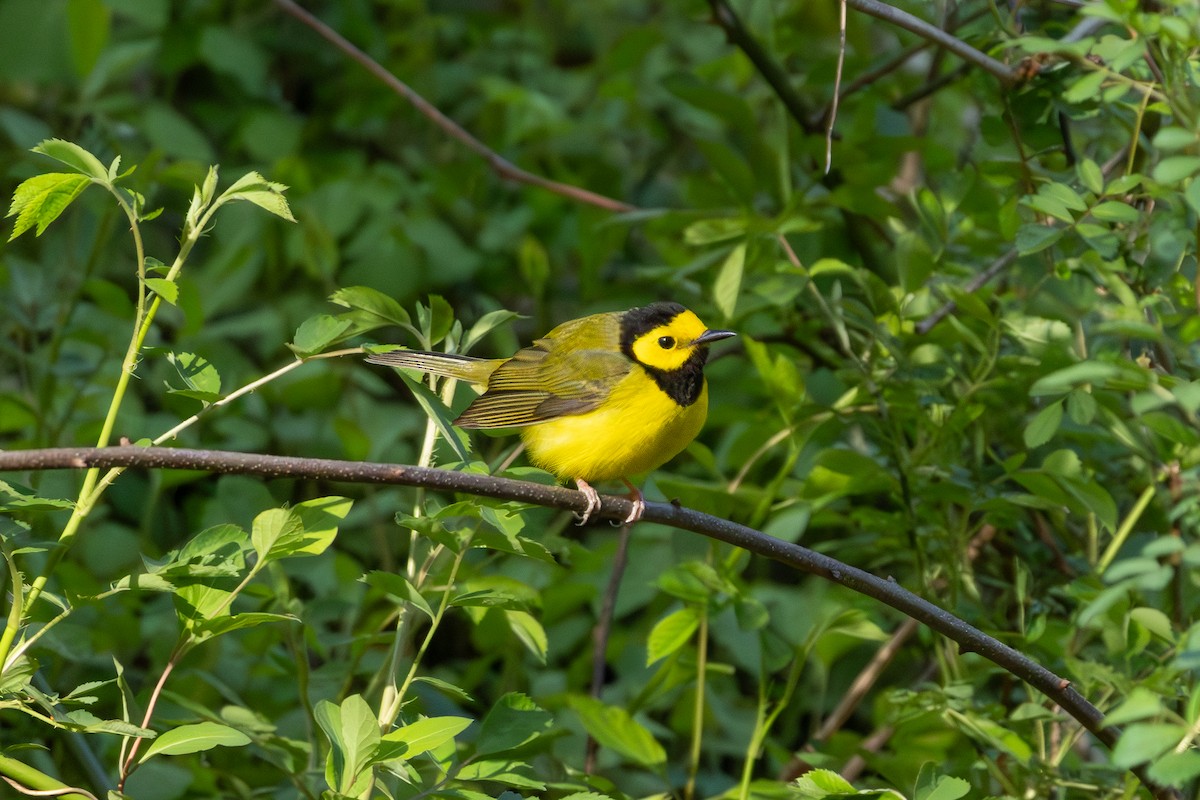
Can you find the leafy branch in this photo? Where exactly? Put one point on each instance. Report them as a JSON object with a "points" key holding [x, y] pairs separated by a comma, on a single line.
{"points": [[968, 637]]}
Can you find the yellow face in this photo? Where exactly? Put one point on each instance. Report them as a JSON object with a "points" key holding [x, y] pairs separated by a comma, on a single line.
{"points": [[669, 346]]}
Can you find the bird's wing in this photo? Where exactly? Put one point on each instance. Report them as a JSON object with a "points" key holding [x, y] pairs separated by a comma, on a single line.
{"points": [[569, 371]]}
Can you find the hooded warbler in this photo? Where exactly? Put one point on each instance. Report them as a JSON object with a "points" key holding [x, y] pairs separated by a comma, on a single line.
{"points": [[599, 398]]}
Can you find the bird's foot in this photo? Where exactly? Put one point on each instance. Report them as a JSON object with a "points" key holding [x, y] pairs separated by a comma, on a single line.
{"points": [[593, 501], [639, 504]]}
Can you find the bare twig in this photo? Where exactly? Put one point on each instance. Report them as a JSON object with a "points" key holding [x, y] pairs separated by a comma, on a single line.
{"points": [[1007, 75], [968, 637], [502, 166], [601, 632], [998, 266], [768, 67]]}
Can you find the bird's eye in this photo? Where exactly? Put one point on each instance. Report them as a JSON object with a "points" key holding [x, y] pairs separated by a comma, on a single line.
{"points": [[666, 342]]}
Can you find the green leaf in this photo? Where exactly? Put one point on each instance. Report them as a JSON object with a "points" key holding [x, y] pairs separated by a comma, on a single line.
{"points": [[670, 633], [1081, 406], [435, 410], [514, 721], [729, 281], [1116, 211], [317, 333], [1044, 425], [398, 586], [1096, 373], [426, 734], [194, 738], [40, 199], [1090, 176], [265, 194], [167, 290], [946, 787], [1144, 742], [1033, 237], [711, 231], [14, 497], [531, 633], [305, 529], [74, 157], [486, 323], [1086, 88], [211, 628], [614, 728], [1175, 769], [201, 378], [1174, 169], [509, 773], [353, 733]]}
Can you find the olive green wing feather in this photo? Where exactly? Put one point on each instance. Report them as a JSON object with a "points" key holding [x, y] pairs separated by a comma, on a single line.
{"points": [[570, 371]]}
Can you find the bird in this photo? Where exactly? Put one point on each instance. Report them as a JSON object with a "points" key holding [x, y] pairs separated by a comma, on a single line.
{"points": [[605, 397]]}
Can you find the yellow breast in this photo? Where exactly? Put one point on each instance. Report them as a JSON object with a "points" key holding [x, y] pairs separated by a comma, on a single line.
{"points": [[636, 429]]}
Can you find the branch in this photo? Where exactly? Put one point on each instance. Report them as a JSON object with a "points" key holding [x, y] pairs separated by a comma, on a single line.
{"points": [[502, 166], [736, 32], [969, 638], [1007, 75], [997, 266]]}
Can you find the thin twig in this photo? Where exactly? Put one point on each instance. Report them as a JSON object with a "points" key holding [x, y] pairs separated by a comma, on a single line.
{"points": [[502, 166], [601, 633], [1007, 75], [969, 638], [998, 266]]}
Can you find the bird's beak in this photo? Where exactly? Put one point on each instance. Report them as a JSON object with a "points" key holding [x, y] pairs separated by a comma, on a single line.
{"points": [[712, 336]]}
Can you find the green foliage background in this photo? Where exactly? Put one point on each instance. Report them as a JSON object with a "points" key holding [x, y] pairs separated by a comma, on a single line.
{"points": [[1028, 462]]}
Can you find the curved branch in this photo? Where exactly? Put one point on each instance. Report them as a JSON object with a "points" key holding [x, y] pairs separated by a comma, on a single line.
{"points": [[969, 638], [1007, 75], [502, 166]]}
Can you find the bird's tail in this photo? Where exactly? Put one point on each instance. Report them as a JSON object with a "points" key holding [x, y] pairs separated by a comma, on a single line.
{"points": [[448, 365]]}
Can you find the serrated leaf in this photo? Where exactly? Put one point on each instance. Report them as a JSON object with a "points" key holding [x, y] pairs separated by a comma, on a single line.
{"points": [[265, 194], [14, 497], [194, 739], [670, 633], [74, 157], [305, 529], [1044, 425], [317, 333], [167, 290], [39, 200], [199, 376], [1034, 237], [614, 728]]}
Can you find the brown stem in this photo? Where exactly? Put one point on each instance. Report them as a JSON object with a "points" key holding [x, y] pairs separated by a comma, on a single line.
{"points": [[601, 633], [502, 166]]}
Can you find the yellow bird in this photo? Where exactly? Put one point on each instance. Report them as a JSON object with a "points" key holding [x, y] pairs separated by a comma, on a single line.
{"points": [[600, 398]]}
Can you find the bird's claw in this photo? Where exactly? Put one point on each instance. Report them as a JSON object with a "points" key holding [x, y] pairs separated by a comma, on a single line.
{"points": [[593, 502]]}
